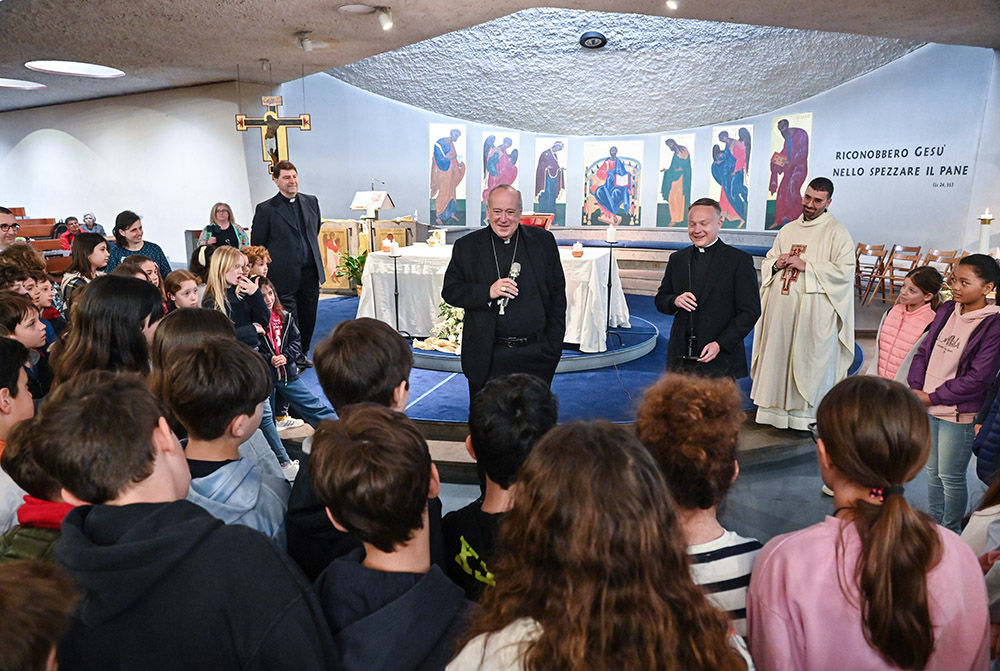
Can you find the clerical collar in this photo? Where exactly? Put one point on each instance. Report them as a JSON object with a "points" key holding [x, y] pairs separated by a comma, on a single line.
{"points": [[507, 241], [701, 250], [287, 200]]}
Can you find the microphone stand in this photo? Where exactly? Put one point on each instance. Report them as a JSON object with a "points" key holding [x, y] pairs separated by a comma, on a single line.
{"points": [[395, 294], [611, 261]]}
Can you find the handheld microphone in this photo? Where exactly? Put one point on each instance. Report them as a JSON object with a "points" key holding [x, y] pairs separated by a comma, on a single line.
{"points": [[515, 272]]}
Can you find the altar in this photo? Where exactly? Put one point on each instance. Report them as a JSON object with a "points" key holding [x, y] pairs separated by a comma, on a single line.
{"points": [[421, 271]]}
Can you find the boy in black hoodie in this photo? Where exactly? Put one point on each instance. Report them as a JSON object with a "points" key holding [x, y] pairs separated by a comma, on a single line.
{"points": [[387, 606], [166, 585]]}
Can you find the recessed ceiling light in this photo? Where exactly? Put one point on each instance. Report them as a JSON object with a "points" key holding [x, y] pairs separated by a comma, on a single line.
{"points": [[385, 18], [74, 69], [20, 84], [356, 9], [672, 5]]}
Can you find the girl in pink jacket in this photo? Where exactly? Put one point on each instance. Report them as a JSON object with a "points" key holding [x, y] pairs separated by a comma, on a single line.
{"points": [[904, 325]]}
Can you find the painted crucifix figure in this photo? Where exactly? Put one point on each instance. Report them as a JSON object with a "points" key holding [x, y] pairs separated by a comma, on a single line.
{"points": [[789, 275], [273, 129]]}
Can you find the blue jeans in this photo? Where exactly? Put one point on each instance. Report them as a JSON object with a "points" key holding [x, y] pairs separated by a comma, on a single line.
{"points": [[270, 432], [947, 490], [305, 402]]}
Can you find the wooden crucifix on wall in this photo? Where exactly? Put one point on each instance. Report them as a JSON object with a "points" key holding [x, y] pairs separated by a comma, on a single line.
{"points": [[273, 129]]}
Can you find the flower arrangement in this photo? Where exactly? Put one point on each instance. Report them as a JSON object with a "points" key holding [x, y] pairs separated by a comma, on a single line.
{"points": [[449, 324]]}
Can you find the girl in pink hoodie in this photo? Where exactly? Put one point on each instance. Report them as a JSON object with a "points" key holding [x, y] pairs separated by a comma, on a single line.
{"points": [[906, 322]]}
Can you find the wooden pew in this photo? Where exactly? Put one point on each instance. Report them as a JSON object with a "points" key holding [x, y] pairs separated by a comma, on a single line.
{"points": [[36, 228]]}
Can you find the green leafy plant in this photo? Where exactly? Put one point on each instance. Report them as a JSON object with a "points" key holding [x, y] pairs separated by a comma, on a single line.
{"points": [[353, 266]]}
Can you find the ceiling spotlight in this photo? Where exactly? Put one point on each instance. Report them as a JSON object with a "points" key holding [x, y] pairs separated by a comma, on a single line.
{"points": [[385, 18], [593, 40], [304, 42], [672, 5], [74, 69]]}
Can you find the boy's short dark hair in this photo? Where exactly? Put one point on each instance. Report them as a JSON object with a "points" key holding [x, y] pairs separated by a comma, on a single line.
{"points": [[19, 463], [363, 360], [13, 357], [208, 385], [11, 274], [74, 443], [14, 309], [36, 606], [506, 418], [372, 469]]}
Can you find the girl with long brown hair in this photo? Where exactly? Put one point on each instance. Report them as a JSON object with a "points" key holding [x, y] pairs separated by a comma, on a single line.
{"points": [[591, 570], [878, 585]]}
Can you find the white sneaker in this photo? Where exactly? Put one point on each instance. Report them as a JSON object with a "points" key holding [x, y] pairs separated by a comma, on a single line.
{"points": [[288, 423], [826, 490], [290, 470]]}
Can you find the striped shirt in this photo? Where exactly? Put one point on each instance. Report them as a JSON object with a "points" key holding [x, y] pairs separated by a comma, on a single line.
{"points": [[722, 567]]}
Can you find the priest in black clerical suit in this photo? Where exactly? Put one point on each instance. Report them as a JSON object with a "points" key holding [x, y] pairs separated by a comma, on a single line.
{"points": [[528, 337], [711, 290], [288, 225]]}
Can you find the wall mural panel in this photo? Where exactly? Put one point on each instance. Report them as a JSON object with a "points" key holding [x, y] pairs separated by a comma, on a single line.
{"points": [[731, 149], [674, 197], [611, 182], [447, 157], [501, 150], [790, 138], [551, 157]]}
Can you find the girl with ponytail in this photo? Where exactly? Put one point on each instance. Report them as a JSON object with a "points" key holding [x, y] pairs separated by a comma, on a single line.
{"points": [[878, 585]]}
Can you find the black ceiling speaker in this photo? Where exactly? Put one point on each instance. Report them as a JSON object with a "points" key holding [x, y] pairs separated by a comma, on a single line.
{"points": [[593, 40]]}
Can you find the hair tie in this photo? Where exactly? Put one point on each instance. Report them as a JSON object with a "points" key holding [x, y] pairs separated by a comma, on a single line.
{"points": [[881, 493], [201, 254]]}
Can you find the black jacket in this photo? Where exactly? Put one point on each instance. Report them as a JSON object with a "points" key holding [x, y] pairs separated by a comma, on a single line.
{"points": [[244, 311], [391, 621], [313, 541], [274, 228], [168, 586], [467, 283], [728, 308]]}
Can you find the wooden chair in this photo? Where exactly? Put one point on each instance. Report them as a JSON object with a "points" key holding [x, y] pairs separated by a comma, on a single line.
{"points": [[18, 211], [901, 261], [943, 261], [868, 260]]}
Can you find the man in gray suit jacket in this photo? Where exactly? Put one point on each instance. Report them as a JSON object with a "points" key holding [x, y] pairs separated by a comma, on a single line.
{"points": [[288, 225]]}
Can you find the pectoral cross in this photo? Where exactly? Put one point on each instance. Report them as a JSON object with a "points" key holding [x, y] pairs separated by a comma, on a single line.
{"points": [[789, 275], [273, 129]]}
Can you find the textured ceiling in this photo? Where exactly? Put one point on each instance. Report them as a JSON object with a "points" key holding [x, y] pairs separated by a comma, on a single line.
{"points": [[527, 71], [187, 42]]}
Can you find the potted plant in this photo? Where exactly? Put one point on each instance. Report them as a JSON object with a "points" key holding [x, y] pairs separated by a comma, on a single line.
{"points": [[353, 266]]}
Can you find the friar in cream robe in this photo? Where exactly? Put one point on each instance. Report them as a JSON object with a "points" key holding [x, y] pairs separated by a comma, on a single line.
{"points": [[804, 340]]}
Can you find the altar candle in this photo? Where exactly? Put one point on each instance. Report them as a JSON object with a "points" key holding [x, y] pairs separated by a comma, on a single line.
{"points": [[393, 248], [612, 235], [986, 221]]}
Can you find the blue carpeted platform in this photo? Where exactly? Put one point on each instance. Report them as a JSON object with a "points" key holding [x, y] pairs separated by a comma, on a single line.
{"points": [[608, 393]]}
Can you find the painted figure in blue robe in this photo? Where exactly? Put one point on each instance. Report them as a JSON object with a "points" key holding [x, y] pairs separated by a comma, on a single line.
{"points": [[550, 179], [447, 172], [616, 191]]}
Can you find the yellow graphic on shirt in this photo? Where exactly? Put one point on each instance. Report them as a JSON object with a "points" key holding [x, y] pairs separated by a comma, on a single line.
{"points": [[463, 560]]}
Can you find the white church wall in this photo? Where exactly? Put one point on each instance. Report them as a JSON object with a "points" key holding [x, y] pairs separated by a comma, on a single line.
{"points": [[169, 156]]}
